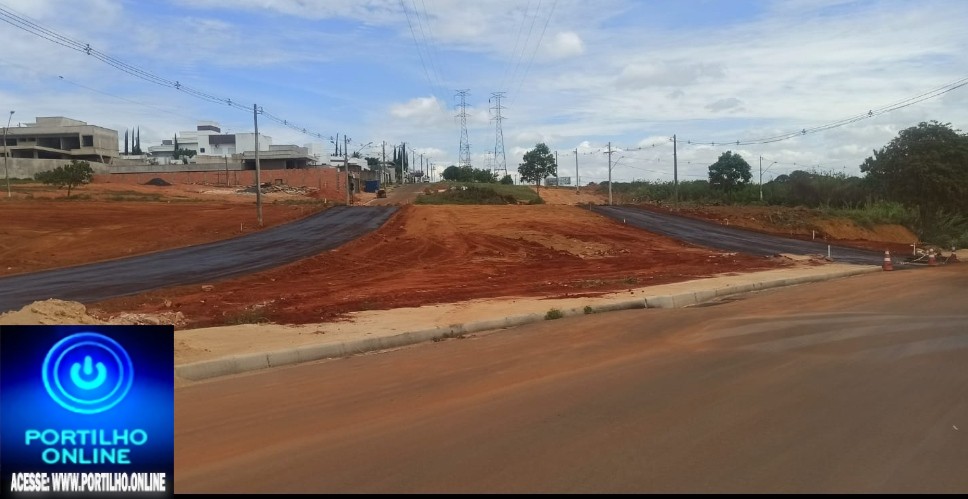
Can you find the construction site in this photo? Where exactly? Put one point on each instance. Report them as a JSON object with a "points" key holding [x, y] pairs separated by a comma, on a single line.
{"points": [[422, 255]]}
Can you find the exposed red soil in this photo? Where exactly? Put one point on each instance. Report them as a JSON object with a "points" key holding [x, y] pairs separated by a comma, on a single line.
{"points": [[435, 254], [801, 223], [41, 229]]}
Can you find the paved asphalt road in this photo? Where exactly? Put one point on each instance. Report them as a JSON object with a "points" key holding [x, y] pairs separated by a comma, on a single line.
{"points": [[714, 235], [402, 194], [206, 262], [853, 385]]}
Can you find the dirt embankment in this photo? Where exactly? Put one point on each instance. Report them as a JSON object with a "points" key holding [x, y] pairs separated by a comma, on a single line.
{"points": [[804, 223], [436, 254], [569, 196]]}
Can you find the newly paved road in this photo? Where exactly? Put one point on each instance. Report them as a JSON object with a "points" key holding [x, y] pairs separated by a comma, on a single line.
{"points": [[853, 385], [207, 262], [712, 235], [401, 194]]}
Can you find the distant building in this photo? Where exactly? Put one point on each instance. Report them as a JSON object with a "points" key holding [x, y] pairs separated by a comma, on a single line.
{"points": [[61, 138], [208, 140]]}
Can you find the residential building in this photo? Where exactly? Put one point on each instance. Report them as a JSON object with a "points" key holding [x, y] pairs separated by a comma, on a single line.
{"points": [[60, 138]]}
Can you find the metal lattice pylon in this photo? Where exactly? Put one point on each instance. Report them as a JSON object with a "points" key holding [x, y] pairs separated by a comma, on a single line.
{"points": [[465, 146], [500, 159]]}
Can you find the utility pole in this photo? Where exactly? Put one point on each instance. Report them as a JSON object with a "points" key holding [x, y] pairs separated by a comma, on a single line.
{"points": [[422, 171], [557, 175], [675, 172], [465, 146], [346, 165], [6, 152], [413, 156], [383, 164], [577, 188], [609, 173], [258, 168], [761, 177]]}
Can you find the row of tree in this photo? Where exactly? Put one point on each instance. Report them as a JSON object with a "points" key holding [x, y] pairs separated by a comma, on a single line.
{"points": [[924, 169]]}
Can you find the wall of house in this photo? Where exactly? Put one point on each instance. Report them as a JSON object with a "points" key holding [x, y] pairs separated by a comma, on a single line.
{"points": [[28, 167], [326, 180]]}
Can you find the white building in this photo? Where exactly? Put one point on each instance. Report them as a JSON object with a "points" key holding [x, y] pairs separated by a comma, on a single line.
{"points": [[208, 140]]}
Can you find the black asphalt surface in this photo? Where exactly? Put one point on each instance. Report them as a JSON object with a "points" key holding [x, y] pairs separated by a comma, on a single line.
{"points": [[202, 263], [717, 236]]}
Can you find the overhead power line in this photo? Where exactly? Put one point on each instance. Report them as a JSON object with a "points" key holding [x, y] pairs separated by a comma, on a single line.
{"points": [[845, 121], [22, 22]]}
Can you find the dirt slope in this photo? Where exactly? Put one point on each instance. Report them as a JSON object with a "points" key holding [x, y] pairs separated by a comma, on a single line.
{"points": [[435, 254]]}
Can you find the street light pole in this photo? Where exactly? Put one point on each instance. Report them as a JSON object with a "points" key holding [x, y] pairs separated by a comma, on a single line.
{"points": [[346, 165], [6, 173]]}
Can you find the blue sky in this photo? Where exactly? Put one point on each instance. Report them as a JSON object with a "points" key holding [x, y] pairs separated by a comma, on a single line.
{"points": [[577, 74]]}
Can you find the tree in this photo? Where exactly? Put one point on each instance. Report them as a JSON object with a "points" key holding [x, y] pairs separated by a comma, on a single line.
{"points": [[356, 154], [137, 142], [372, 163], [452, 172], [507, 180], [125, 142], [925, 167], [729, 172], [70, 176], [539, 163]]}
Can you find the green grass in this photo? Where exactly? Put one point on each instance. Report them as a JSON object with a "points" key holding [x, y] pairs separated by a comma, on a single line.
{"points": [[589, 310], [876, 213], [480, 193], [248, 316], [554, 314]]}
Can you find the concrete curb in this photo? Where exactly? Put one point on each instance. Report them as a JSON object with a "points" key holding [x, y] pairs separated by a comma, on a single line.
{"points": [[236, 364]]}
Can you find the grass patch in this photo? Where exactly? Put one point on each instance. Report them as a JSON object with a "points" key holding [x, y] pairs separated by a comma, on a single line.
{"points": [[630, 280], [134, 196], [448, 336], [478, 193], [554, 314], [876, 213], [589, 310], [591, 283], [247, 316], [301, 202]]}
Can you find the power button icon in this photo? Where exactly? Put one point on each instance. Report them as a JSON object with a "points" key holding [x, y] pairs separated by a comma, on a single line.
{"points": [[87, 373]]}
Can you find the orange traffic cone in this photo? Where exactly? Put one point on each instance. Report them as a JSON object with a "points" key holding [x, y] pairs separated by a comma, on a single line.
{"points": [[888, 265], [931, 259]]}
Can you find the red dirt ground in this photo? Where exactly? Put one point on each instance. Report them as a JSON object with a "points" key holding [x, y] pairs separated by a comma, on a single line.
{"points": [[799, 223], [41, 229], [435, 254]]}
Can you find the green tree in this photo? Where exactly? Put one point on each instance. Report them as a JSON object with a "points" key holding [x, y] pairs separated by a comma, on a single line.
{"points": [[729, 172], [70, 176], [507, 180], [539, 164], [926, 168], [372, 163], [356, 154], [452, 173]]}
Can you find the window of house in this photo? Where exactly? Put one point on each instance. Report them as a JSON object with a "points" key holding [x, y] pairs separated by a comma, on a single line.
{"points": [[201, 149], [88, 140]]}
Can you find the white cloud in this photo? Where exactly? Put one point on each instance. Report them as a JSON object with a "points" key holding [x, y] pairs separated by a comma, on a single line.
{"points": [[426, 111], [565, 44]]}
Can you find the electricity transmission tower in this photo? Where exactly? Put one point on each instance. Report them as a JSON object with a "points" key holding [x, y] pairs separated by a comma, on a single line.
{"points": [[465, 147], [500, 159]]}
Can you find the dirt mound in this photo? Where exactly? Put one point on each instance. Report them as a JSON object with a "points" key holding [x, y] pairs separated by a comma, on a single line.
{"points": [[571, 196], [49, 312], [441, 254], [160, 182]]}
